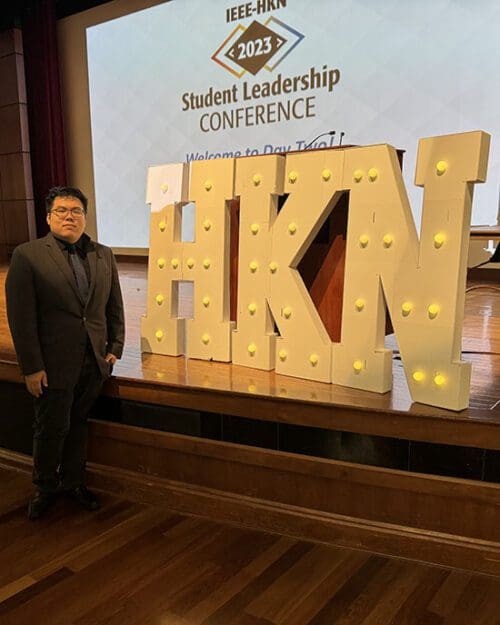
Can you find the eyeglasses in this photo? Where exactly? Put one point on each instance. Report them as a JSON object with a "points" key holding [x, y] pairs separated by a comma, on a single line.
{"points": [[64, 212]]}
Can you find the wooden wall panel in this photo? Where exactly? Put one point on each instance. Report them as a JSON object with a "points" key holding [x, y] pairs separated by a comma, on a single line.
{"points": [[16, 176], [16, 220], [429, 503], [14, 137]]}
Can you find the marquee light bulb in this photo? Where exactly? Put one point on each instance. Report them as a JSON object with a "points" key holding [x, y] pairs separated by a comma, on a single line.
{"points": [[159, 299], [358, 175], [360, 304], [433, 311], [159, 335], [363, 240], [388, 240], [174, 262], [406, 308], [439, 239], [206, 301], [190, 263], [372, 174], [164, 187], [257, 179], [292, 176], [326, 174], [418, 376], [208, 185], [253, 266], [287, 312], [252, 348], [292, 228], [207, 224], [252, 308], [162, 226], [205, 339], [441, 167], [357, 365], [254, 228], [283, 354], [161, 263], [314, 359], [439, 379], [206, 263], [273, 266]]}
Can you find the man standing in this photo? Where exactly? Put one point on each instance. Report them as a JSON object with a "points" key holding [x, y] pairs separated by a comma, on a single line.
{"points": [[65, 313]]}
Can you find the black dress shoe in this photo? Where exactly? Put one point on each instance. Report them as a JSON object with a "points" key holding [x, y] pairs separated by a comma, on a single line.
{"points": [[39, 504], [84, 497]]}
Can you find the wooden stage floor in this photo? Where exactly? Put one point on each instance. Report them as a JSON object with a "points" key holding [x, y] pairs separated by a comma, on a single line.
{"points": [[242, 391]]}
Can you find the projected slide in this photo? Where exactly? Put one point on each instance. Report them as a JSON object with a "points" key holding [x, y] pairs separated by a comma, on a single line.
{"points": [[200, 79]]}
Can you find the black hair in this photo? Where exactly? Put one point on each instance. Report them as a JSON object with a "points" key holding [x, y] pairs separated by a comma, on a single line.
{"points": [[64, 192]]}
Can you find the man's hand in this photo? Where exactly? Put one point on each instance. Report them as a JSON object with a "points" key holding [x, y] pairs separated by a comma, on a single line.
{"points": [[111, 358], [35, 382]]}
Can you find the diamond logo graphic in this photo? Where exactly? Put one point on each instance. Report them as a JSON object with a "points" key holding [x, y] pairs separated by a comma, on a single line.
{"points": [[256, 47], [253, 49]]}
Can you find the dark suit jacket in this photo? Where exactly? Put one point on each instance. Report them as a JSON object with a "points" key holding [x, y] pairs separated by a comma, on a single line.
{"points": [[50, 323]]}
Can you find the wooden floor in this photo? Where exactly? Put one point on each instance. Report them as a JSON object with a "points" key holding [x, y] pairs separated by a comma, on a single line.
{"points": [[131, 564], [481, 346]]}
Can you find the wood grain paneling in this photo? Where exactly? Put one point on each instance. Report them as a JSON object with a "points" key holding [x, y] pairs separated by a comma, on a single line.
{"points": [[16, 176], [19, 219], [13, 82], [11, 41], [14, 124]]}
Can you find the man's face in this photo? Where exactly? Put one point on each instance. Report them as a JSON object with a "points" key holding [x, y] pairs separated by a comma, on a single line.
{"points": [[64, 221]]}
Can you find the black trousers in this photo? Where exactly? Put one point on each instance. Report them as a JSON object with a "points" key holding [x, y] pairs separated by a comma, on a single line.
{"points": [[60, 430]]}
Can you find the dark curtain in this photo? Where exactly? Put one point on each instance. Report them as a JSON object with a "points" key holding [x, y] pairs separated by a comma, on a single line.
{"points": [[48, 155]]}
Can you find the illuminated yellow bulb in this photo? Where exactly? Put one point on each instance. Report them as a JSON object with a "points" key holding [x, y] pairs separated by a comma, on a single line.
{"points": [[206, 263], [372, 174], [252, 388], [292, 176], [253, 266], [326, 174], [273, 266], [439, 379], [205, 339], [208, 185], [252, 308], [441, 167], [162, 226], [406, 308], [360, 304], [252, 348], [357, 365], [439, 239], [207, 224], [159, 335], [287, 312], [206, 301], [433, 310], [358, 175], [292, 228], [161, 263], [388, 240], [418, 376], [363, 240], [283, 354], [254, 228], [190, 263], [164, 188], [159, 299], [257, 179], [175, 263], [314, 359]]}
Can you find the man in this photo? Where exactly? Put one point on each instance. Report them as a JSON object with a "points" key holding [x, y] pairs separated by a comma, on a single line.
{"points": [[65, 313]]}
